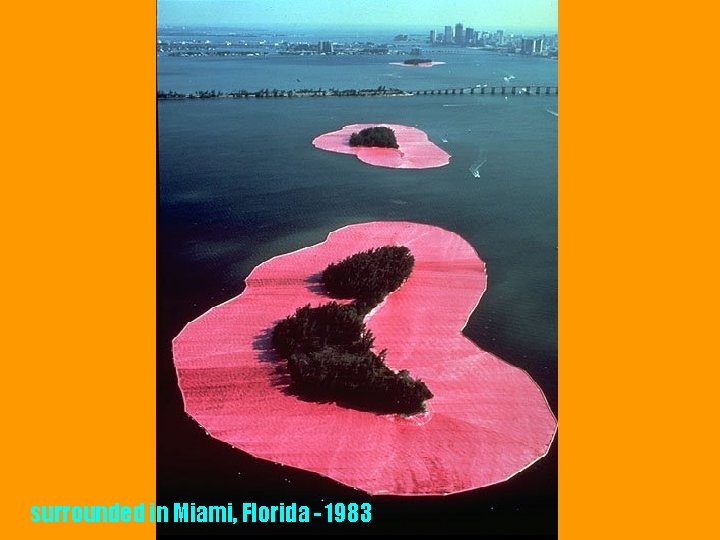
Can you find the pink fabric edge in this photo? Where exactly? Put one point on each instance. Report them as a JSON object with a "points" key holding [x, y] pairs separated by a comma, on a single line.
{"points": [[416, 150], [464, 441]]}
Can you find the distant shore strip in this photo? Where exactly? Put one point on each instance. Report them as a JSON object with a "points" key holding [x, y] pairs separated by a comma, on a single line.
{"points": [[366, 92]]}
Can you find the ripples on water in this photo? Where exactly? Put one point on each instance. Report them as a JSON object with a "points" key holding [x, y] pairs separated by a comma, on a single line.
{"points": [[239, 182], [247, 175]]}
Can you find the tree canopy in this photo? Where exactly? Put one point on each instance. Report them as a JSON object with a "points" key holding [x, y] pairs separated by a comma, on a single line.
{"points": [[357, 380], [379, 136], [329, 348], [328, 326], [416, 61], [369, 276]]}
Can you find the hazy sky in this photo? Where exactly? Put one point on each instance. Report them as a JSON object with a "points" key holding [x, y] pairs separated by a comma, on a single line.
{"points": [[483, 14]]}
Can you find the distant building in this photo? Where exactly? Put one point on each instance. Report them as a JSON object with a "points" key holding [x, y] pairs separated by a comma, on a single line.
{"points": [[499, 39], [432, 36], [325, 47], [448, 37], [459, 36], [469, 36], [531, 46]]}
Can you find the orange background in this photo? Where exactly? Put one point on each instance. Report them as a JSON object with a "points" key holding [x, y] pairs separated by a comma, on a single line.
{"points": [[78, 197], [636, 246], [638, 215]]}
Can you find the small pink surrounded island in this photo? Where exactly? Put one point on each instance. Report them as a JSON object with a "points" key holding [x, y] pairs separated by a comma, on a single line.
{"points": [[487, 421], [415, 152], [421, 64]]}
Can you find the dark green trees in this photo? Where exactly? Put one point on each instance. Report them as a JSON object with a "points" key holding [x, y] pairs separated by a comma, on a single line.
{"points": [[360, 380], [329, 326], [369, 276], [380, 136], [329, 348], [416, 61]]}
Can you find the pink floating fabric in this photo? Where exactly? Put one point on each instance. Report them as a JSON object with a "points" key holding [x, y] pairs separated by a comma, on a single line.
{"points": [[422, 64], [487, 421], [415, 152]]}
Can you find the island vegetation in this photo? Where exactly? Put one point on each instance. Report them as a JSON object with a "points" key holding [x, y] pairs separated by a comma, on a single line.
{"points": [[368, 276], [329, 348], [416, 61], [165, 95], [379, 136]]}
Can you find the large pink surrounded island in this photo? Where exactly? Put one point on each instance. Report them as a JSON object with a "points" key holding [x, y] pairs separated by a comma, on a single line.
{"points": [[416, 150], [487, 421]]}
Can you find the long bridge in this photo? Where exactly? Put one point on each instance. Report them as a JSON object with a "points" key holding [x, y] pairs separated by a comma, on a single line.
{"points": [[532, 90], [492, 90]]}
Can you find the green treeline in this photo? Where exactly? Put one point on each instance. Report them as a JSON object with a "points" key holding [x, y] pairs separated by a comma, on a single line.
{"points": [[163, 95], [383, 137], [332, 325], [329, 348], [277, 92], [416, 61], [369, 276]]}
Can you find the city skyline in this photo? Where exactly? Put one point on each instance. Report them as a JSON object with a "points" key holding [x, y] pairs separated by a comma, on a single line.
{"points": [[528, 15]]}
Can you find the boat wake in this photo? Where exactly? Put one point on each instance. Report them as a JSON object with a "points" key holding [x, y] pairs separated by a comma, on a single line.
{"points": [[554, 113], [475, 168]]}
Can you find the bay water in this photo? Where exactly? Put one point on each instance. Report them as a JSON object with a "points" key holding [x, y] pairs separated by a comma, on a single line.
{"points": [[240, 182]]}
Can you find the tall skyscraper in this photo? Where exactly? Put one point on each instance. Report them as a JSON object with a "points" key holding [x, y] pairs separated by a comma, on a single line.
{"points": [[325, 47], [531, 46], [432, 36], [459, 36], [448, 37], [527, 45], [469, 36]]}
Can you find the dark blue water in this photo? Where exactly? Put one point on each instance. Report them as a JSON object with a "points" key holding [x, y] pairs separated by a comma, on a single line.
{"points": [[463, 67], [239, 182]]}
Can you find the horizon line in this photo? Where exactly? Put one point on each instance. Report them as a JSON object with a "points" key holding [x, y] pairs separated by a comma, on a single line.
{"points": [[339, 25]]}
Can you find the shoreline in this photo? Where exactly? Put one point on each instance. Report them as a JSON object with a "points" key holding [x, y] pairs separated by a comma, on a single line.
{"points": [[470, 437], [529, 90]]}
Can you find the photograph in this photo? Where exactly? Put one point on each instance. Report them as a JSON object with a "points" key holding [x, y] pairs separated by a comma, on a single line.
{"points": [[357, 267]]}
